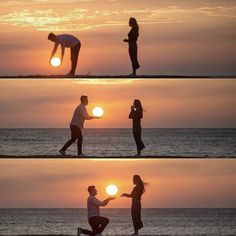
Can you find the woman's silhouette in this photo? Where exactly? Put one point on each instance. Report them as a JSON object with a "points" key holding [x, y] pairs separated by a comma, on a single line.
{"points": [[136, 114], [133, 48], [136, 195]]}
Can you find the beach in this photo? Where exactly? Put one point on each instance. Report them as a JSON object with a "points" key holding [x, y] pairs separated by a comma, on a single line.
{"points": [[119, 143], [109, 157], [157, 221]]}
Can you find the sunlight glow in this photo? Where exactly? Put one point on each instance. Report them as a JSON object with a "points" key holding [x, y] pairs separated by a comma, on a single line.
{"points": [[111, 190], [55, 61], [98, 111]]}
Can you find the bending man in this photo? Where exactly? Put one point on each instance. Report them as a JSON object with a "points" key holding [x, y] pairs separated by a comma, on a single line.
{"points": [[66, 41]]}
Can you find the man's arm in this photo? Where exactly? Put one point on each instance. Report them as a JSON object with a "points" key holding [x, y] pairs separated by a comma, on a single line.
{"points": [[54, 50], [62, 52], [86, 115], [102, 203]]}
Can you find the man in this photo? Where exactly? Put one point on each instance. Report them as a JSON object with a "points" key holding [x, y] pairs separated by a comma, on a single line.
{"points": [[76, 124], [98, 223], [66, 41]]}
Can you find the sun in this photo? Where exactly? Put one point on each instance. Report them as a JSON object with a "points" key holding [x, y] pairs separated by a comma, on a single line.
{"points": [[111, 190], [55, 61], [98, 112]]}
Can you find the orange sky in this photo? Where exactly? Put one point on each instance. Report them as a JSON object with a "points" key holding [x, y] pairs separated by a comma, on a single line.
{"points": [[172, 183], [167, 103], [176, 37]]}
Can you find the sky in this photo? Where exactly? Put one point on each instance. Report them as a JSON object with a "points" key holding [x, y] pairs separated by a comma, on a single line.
{"points": [[176, 37], [171, 183], [167, 103]]}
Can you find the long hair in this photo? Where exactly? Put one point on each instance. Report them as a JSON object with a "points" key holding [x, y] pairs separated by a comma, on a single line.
{"points": [[139, 107], [134, 24], [139, 182]]}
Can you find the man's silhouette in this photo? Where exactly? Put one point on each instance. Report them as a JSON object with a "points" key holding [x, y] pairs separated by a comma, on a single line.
{"points": [[66, 41], [76, 124], [97, 222]]}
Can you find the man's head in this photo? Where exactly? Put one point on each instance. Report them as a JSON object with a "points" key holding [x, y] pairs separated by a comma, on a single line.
{"points": [[84, 100], [92, 190], [52, 37]]}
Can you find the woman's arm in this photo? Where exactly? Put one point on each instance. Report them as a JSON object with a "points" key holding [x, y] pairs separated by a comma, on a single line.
{"points": [[126, 195], [131, 114]]}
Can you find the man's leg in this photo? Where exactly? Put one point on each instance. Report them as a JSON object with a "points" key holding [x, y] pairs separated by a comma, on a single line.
{"points": [[79, 141], [72, 140], [94, 223], [98, 224], [85, 231], [74, 57]]}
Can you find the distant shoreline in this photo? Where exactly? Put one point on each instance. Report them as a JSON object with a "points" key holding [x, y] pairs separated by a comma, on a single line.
{"points": [[38, 76]]}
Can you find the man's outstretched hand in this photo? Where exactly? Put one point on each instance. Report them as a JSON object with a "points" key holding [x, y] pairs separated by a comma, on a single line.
{"points": [[111, 198]]}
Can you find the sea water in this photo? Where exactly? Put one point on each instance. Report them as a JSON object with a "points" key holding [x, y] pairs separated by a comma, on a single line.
{"points": [[207, 221], [120, 142]]}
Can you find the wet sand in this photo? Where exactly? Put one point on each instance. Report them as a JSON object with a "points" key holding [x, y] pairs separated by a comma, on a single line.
{"points": [[39, 76], [109, 157]]}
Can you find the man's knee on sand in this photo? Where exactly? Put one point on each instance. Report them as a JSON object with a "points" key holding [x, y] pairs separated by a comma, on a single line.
{"points": [[106, 220]]}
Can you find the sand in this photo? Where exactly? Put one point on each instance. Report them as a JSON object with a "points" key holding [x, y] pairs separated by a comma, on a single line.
{"points": [[108, 157]]}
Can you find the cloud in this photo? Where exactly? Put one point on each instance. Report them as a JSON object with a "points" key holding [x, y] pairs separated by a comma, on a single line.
{"points": [[33, 2], [85, 16]]}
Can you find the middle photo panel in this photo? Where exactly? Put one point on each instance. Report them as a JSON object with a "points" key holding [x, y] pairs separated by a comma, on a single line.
{"points": [[117, 118]]}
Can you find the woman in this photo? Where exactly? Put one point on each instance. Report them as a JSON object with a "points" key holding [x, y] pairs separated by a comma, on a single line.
{"points": [[136, 114], [133, 48], [136, 194]]}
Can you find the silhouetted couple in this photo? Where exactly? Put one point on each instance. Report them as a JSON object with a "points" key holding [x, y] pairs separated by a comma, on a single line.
{"points": [[80, 115], [70, 41], [98, 223]]}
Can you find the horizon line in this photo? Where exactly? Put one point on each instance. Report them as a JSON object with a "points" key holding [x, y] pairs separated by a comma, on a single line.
{"points": [[87, 76]]}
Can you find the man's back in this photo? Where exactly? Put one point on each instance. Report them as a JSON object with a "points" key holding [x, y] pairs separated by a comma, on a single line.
{"points": [[67, 40], [93, 205], [80, 114]]}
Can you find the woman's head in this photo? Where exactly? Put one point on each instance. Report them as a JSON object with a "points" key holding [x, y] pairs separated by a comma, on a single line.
{"points": [[137, 179], [138, 105], [133, 22], [138, 182]]}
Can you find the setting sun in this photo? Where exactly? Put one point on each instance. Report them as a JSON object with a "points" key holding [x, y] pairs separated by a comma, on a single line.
{"points": [[98, 111], [111, 190], [55, 61]]}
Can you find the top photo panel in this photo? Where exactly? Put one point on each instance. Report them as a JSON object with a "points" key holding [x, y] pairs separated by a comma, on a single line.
{"points": [[117, 39]]}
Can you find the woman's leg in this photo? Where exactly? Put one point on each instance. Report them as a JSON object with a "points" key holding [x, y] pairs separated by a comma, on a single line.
{"points": [[133, 52], [136, 217], [138, 140]]}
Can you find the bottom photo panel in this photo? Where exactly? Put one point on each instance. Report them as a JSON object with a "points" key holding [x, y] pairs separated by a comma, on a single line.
{"points": [[118, 197]]}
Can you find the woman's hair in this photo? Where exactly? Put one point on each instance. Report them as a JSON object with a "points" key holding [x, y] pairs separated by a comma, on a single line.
{"points": [[139, 182], [138, 106], [133, 23]]}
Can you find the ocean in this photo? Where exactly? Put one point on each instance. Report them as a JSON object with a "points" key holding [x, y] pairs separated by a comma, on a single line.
{"points": [[119, 142], [197, 221]]}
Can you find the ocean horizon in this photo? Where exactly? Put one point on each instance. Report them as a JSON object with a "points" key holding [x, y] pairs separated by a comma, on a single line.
{"points": [[119, 142]]}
